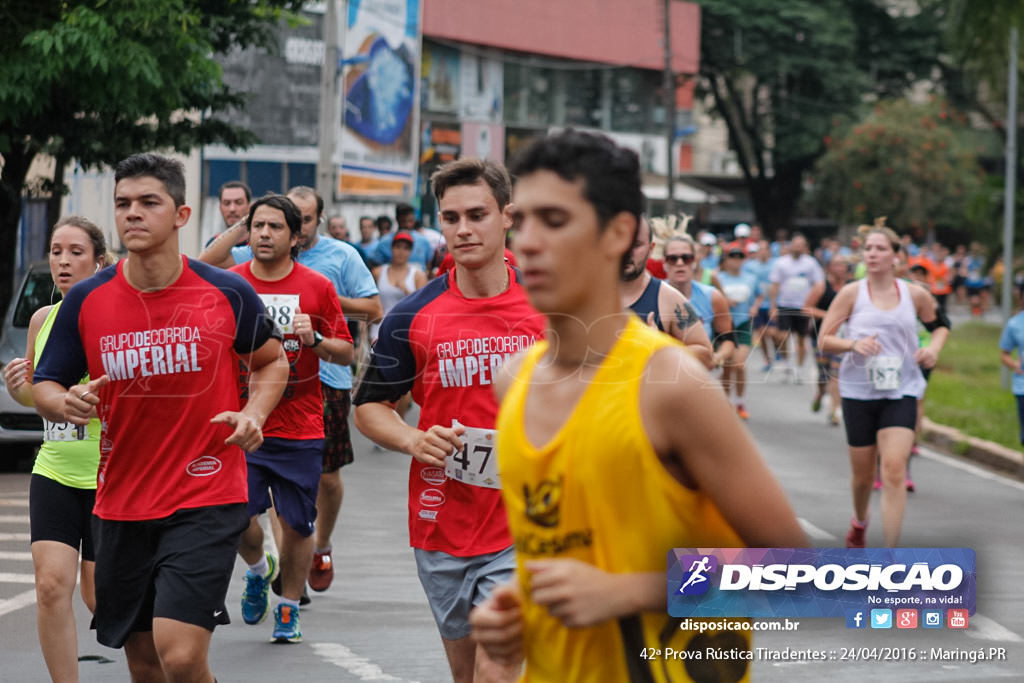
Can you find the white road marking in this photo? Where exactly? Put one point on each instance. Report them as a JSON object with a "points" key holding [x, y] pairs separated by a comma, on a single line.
{"points": [[15, 537], [340, 656], [984, 628], [10, 577], [817, 533], [15, 555], [19, 519], [17, 602], [967, 467]]}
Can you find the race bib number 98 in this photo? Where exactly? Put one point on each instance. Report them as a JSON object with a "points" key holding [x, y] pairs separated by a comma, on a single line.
{"points": [[281, 309], [477, 463]]}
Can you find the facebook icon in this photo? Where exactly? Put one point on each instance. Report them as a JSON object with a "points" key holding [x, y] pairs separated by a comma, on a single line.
{"points": [[856, 619]]}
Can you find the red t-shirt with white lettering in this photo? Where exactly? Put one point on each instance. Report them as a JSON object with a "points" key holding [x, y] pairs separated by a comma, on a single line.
{"points": [[300, 412], [172, 358], [446, 348]]}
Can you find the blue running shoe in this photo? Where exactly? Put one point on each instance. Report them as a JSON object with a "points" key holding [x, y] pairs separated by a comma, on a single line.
{"points": [[255, 603], [286, 625]]}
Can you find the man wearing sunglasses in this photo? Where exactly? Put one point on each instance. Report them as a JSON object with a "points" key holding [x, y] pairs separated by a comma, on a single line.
{"points": [[658, 305]]}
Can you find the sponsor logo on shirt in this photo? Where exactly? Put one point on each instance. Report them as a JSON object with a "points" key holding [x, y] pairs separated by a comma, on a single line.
{"points": [[433, 475], [203, 466], [432, 498], [475, 360], [145, 353], [429, 515]]}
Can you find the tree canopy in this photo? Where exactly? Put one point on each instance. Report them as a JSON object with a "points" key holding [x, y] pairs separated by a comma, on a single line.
{"points": [[910, 162], [97, 80], [777, 73]]}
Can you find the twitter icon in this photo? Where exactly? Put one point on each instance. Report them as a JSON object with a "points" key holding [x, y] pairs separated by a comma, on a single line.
{"points": [[881, 618]]}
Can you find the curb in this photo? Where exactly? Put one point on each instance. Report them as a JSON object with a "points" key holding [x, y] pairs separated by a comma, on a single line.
{"points": [[988, 453]]}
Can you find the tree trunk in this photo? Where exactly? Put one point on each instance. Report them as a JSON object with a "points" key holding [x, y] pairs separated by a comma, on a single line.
{"points": [[775, 198], [15, 168], [53, 204]]}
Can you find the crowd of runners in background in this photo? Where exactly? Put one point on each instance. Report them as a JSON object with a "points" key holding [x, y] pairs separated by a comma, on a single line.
{"points": [[861, 320]]}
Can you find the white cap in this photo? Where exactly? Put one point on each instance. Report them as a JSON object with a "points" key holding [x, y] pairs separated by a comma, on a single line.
{"points": [[741, 230], [708, 239]]}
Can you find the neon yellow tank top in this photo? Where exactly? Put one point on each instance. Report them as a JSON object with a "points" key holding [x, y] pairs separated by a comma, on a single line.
{"points": [[71, 463], [597, 492]]}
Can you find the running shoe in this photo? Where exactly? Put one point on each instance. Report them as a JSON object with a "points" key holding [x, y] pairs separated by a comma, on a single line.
{"points": [[856, 537], [816, 403], [322, 572], [286, 625], [275, 586], [833, 420], [878, 485], [742, 412], [910, 485], [255, 605]]}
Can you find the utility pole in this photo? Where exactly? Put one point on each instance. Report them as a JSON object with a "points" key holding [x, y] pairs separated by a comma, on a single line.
{"points": [[326, 177], [669, 86], [1010, 191]]}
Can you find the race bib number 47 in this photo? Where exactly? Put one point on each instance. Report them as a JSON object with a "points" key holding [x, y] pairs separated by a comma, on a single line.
{"points": [[477, 463]]}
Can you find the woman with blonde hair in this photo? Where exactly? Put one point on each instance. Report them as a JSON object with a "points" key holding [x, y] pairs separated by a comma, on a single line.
{"points": [[62, 489], [879, 376]]}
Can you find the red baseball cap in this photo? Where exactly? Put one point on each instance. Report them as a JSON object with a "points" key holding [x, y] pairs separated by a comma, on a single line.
{"points": [[403, 236]]}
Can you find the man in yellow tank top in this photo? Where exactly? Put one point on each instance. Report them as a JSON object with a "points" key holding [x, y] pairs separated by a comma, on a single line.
{"points": [[607, 453]]}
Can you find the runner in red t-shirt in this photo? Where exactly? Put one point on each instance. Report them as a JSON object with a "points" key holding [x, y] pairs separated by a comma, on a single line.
{"points": [[306, 307], [445, 342], [162, 336]]}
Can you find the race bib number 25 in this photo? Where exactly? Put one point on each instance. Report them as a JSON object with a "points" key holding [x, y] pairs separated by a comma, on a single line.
{"points": [[477, 463]]}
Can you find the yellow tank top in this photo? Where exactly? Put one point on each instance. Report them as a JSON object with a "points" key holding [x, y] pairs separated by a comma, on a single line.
{"points": [[71, 463], [597, 492]]}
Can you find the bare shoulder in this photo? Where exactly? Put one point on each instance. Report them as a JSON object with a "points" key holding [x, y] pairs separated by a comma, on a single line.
{"points": [[673, 373], [39, 316], [669, 295], [509, 369]]}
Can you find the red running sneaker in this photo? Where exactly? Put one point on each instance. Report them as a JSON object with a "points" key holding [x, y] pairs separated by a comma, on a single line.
{"points": [[856, 537], [742, 412], [322, 572]]}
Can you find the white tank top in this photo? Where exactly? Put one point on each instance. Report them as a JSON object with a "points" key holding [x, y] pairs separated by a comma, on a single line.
{"points": [[892, 373], [391, 295]]}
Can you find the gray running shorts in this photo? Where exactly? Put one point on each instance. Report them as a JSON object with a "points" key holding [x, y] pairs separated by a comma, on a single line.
{"points": [[455, 584]]}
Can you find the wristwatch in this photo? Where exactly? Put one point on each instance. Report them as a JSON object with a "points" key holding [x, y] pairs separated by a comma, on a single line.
{"points": [[317, 338]]}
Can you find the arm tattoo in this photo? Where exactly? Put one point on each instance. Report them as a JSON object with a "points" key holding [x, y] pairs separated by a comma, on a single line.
{"points": [[686, 316]]}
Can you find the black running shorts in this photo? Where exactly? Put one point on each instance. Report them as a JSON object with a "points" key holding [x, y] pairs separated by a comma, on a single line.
{"points": [[178, 567], [863, 419], [61, 513]]}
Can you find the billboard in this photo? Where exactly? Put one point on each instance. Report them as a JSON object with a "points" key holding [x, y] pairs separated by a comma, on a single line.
{"points": [[380, 99]]}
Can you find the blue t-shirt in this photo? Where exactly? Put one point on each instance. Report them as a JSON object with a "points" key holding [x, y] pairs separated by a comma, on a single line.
{"points": [[340, 263], [762, 273], [700, 297], [1012, 340], [742, 287], [422, 252]]}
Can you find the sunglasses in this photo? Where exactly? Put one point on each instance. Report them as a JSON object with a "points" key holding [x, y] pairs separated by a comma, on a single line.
{"points": [[679, 258]]}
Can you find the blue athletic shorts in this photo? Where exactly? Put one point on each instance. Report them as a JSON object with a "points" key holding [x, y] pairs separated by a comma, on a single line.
{"points": [[290, 469]]}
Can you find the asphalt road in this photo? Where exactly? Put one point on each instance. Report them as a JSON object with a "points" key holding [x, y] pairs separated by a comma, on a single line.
{"points": [[373, 624]]}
